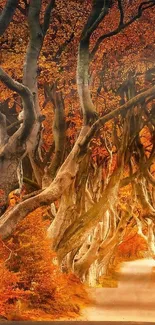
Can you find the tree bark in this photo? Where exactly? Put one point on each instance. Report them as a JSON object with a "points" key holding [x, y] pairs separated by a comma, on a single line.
{"points": [[62, 181], [13, 149], [98, 12], [7, 14], [30, 72], [77, 233], [59, 132], [151, 238]]}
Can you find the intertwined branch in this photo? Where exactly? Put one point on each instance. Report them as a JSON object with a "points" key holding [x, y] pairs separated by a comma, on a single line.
{"points": [[122, 25]]}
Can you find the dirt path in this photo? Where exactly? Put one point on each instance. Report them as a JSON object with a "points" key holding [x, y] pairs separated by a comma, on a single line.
{"points": [[132, 300]]}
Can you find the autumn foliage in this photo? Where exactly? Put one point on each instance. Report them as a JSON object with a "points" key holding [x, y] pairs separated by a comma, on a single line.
{"points": [[85, 165], [133, 247], [31, 284]]}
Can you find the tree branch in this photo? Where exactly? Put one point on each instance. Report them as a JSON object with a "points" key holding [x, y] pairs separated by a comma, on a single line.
{"points": [[98, 12], [31, 183], [59, 128], [7, 14], [142, 196], [149, 176], [122, 25], [121, 12], [77, 232], [26, 95], [47, 16], [62, 181], [37, 35], [128, 105], [3, 130], [15, 124]]}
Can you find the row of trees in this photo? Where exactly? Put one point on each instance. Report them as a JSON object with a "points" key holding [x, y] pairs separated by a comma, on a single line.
{"points": [[96, 170]]}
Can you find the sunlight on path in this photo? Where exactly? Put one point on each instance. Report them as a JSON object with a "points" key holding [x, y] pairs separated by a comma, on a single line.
{"points": [[133, 300]]}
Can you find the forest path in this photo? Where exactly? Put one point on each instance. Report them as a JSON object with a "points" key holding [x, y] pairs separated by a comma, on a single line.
{"points": [[132, 300]]}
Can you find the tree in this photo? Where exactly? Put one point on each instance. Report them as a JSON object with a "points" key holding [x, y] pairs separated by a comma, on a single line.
{"points": [[83, 182]]}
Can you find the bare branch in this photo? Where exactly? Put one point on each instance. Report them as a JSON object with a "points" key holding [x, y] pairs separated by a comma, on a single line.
{"points": [[140, 228], [109, 150], [7, 14], [128, 105], [47, 15], [78, 231], [142, 195], [23, 10], [121, 12], [3, 130], [98, 12], [37, 35], [64, 45], [31, 183], [62, 181], [122, 26], [149, 176], [15, 124], [26, 95], [59, 128]]}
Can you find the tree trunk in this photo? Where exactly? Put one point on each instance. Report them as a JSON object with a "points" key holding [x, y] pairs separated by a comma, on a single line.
{"points": [[62, 181], [77, 233]]}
